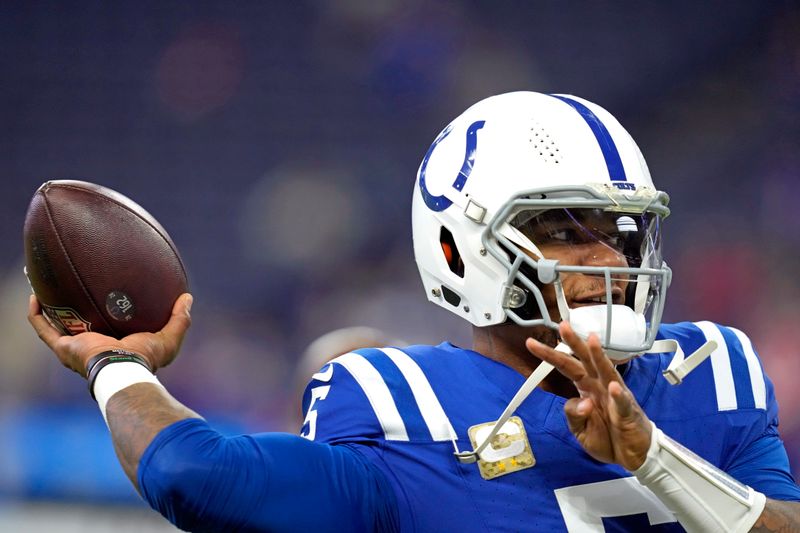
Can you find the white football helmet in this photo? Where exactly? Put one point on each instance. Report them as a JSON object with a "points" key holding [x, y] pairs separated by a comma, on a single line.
{"points": [[518, 174]]}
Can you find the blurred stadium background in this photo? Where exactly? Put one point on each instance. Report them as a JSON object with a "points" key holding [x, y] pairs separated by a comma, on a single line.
{"points": [[278, 143]]}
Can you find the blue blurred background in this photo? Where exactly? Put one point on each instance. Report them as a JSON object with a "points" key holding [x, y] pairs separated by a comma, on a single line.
{"points": [[278, 143]]}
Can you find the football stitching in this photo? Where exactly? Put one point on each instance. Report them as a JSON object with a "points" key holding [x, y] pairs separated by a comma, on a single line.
{"points": [[71, 265]]}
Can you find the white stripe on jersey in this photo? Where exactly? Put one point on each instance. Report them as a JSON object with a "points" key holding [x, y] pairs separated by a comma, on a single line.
{"points": [[721, 367], [324, 375], [429, 406], [754, 367], [377, 393]]}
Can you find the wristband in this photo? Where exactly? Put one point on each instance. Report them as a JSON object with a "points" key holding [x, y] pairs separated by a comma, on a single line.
{"points": [[112, 378], [702, 497], [101, 360]]}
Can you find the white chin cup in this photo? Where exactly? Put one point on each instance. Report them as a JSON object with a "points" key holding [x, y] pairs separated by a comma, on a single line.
{"points": [[628, 328]]}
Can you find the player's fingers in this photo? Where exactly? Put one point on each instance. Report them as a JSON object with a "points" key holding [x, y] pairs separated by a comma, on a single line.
{"points": [[567, 365], [601, 362], [579, 347], [41, 326], [578, 411], [623, 402]]}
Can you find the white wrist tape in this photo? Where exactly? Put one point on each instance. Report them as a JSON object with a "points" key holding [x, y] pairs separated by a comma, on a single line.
{"points": [[117, 376], [702, 497]]}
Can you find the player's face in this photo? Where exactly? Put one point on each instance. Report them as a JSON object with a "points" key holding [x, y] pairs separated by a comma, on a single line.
{"points": [[582, 237]]}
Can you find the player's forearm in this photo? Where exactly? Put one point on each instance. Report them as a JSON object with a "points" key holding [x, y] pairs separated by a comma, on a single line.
{"points": [[778, 516], [136, 415]]}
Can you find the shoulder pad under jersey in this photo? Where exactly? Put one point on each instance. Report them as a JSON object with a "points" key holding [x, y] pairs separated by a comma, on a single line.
{"points": [[371, 395]]}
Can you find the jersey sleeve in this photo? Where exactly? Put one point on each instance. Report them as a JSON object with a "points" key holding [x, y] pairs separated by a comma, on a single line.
{"points": [[203, 481], [726, 410], [756, 455], [764, 466], [349, 401]]}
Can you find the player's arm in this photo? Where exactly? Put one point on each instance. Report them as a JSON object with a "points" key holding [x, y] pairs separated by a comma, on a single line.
{"points": [[135, 415], [778, 516], [705, 498], [141, 410], [203, 481], [612, 428], [200, 480], [764, 465]]}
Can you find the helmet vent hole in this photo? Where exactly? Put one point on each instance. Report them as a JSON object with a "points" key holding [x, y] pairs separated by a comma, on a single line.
{"points": [[451, 254], [543, 145], [450, 296]]}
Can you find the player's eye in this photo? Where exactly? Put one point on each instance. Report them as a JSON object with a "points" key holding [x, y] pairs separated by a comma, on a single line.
{"points": [[577, 236], [614, 239], [565, 236]]}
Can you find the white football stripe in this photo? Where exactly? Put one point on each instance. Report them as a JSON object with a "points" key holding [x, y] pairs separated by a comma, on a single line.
{"points": [[432, 412], [721, 366], [754, 367], [377, 393]]}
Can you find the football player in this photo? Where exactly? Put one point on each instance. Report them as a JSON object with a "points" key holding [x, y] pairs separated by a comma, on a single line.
{"points": [[536, 220]]}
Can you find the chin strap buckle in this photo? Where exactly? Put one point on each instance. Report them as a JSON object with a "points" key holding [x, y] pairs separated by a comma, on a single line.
{"points": [[466, 458]]}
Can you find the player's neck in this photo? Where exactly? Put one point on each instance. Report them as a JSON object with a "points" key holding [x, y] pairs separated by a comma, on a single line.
{"points": [[505, 344]]}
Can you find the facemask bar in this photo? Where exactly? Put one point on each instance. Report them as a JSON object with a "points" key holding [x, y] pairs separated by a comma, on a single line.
{"points": [[500, 234]]}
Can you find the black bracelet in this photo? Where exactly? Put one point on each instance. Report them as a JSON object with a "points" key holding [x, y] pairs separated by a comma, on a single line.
{"points": [[101, 360]]}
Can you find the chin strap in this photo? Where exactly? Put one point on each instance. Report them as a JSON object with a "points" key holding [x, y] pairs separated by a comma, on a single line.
{"points": [[531, 383], [678, 369]]}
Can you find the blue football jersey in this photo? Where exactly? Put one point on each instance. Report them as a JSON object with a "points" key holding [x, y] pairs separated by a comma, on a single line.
{"points": [[405, 410]]}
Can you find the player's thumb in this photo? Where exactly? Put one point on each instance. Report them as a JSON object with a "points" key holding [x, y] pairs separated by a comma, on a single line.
{"points": [[171, 335], [186, 300], [181, 318]]}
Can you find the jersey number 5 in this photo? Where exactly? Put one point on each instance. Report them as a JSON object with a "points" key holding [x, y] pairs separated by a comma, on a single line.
{"points": [[310, 423]]}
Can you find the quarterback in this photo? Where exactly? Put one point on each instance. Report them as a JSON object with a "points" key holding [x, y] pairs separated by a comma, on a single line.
{"points": [[534, 219]]}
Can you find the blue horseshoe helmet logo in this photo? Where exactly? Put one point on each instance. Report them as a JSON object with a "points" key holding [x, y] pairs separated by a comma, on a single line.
{"points": [[440, 203]]}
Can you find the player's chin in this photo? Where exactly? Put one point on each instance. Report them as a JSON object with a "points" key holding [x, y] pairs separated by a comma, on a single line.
{"points": [[618, 362]]}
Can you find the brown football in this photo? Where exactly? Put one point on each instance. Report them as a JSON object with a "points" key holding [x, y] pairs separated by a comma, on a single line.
{"points": [[97, 261]]}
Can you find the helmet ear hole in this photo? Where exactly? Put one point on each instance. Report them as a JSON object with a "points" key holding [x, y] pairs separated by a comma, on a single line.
{"points": [[450, 296], [451, 254]]}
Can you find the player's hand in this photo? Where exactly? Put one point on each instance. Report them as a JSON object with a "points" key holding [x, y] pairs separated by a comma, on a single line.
{"points": [[606, 418], [159, 349]]}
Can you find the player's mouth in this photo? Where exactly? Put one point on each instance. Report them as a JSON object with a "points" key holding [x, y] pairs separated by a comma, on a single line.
{"points": [[599, 298]]}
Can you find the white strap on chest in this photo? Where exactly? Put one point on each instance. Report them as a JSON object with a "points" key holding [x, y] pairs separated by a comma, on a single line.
{"points": [[678, 368], [536, 377]]}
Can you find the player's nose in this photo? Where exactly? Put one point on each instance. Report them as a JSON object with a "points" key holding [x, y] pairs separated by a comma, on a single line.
{"points": [[603, 255]]}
